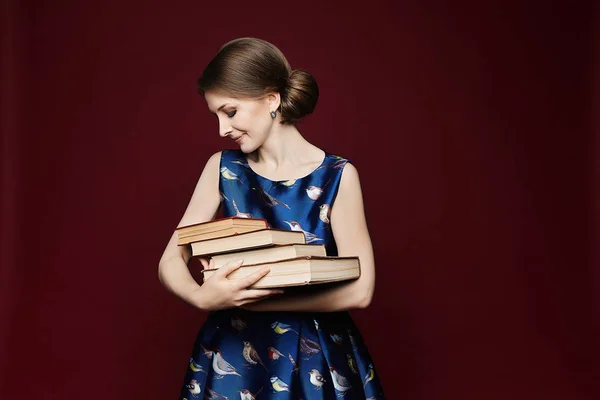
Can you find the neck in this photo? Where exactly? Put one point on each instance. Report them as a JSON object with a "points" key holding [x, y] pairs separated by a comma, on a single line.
{"points": [[285, 145]]}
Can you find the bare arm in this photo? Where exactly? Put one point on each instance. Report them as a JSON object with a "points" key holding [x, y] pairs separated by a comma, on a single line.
{"points": [[350, 231], [217, 292], [173, 271]]}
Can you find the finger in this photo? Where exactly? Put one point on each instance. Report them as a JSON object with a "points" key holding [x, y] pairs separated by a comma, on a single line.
{"points": [[204, 263], [229, 267], [253, 278]]}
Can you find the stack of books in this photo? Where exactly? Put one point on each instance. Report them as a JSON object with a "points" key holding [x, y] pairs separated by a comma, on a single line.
{"points": [[292, 261]]}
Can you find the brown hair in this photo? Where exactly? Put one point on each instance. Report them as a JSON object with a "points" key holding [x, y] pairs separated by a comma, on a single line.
{"points": [[252, 68]]}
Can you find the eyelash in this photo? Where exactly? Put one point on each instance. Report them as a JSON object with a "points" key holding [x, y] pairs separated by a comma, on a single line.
{"points": [[232, 114]]}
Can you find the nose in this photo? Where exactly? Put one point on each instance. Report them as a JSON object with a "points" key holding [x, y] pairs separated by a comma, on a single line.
{"points": [[224, 128]]}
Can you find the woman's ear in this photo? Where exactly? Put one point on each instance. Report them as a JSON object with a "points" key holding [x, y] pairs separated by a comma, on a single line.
{"points": [[274, 101]]}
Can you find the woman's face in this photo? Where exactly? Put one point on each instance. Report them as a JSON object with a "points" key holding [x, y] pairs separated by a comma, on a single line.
{"points": [[246, 121]]}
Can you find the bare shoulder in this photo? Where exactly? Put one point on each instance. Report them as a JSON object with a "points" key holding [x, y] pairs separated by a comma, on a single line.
{"points": [[205, 199], [210, 173], [349, 200], [349, 183], [214, 161], [349, 174]]}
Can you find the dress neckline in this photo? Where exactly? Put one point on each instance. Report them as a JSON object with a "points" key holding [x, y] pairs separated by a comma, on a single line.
{"points": [[292, 179]]}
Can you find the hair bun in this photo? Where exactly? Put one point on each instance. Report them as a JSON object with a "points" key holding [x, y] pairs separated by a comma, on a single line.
{"points": [[299, 97]]}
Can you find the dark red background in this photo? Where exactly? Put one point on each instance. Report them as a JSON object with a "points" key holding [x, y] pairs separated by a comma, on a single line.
{"points": [[473, 127]]}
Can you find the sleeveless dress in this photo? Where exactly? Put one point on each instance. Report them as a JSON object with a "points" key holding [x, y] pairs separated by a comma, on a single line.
{"points": [[241, 354]]}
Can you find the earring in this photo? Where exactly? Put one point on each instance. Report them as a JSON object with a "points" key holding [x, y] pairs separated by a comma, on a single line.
{"points": [[273, 114]]}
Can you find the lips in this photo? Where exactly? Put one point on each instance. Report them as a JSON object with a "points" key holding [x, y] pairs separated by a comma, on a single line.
{"points": [[238, 139]]}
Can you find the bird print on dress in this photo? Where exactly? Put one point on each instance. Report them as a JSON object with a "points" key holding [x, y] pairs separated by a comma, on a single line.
{"points": [[245, 394], [206, 352], [279, 385], [339, 163], [229, 175], [352, 364], [324, 213], [251, 355], [309, 347], [352, 341], [337, 339], [295, 226], [222, 367], [195, 367], [295, 369], [210, 394], [269, 200], [241, 162], [274, 354], [223, 197], [238, 213], [280, 328], [340, 383], [316, 378], [369, 376], [314, 192], [289, 183], [194, 388]]}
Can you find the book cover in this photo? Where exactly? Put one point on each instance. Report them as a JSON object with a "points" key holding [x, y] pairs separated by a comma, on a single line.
{"points": [[219, 228], [227, 221]]}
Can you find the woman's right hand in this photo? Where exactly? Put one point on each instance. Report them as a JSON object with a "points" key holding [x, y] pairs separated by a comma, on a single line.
{"points": [[218, 292]]}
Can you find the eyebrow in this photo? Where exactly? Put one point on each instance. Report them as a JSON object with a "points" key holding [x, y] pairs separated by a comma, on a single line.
{"points": [[220, 108]]}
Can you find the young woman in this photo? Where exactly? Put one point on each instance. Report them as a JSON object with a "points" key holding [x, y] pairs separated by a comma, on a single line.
{"points": [[270, 344]]}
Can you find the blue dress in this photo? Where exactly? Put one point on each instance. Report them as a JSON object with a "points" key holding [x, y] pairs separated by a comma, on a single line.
{"points": [[241, 354]]}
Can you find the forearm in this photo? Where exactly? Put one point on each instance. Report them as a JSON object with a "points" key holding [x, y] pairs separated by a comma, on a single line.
{"points": [[342, 296], [176, 278]]}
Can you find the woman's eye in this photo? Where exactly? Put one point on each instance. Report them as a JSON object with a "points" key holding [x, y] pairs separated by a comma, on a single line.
{"points": [[231, 114]]}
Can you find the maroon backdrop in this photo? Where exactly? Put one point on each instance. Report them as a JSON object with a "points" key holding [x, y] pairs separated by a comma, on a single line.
{"points": [[472, 127]]}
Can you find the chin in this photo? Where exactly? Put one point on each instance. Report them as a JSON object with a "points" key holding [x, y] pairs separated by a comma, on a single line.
{"points": [[248, 149]]}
